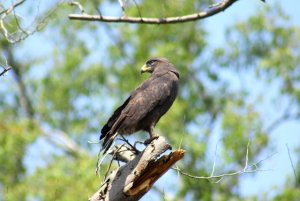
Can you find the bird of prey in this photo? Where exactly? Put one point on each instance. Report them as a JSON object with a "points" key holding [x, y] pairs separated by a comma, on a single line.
{"points": [[146, 104]]}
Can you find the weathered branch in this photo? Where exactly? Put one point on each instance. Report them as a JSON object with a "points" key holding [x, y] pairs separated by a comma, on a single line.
{"points": [[133, 180], [212, 10]]}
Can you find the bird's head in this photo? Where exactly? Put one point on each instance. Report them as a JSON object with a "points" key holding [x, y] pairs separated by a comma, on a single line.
{"points": [[159, 66], [153, 64]]}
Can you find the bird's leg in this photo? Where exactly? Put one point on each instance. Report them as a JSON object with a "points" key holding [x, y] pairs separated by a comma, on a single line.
{"points": [[153, 136]]}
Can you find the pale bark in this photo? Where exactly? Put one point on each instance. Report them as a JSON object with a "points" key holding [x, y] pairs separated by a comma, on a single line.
{"points": [[134, 179]]}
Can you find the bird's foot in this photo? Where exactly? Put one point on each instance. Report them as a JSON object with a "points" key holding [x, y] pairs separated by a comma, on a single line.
{"points": [[148, 141]]}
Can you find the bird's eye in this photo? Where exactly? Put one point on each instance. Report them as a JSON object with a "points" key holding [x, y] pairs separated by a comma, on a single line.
{"points": [[151, 62]]}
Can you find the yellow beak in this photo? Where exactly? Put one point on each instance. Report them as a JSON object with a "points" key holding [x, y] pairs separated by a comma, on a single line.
{"points": [[146, 68]]}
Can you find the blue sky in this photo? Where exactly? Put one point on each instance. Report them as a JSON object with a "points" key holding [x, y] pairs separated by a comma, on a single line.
{"points": [[286, 134]]}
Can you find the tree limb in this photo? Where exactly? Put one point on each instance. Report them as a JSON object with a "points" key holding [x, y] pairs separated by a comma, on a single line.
{"points": [[212, 10], [133, 180]]}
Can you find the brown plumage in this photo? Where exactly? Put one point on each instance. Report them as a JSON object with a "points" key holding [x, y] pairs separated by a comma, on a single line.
{"points": [[146, 104]]}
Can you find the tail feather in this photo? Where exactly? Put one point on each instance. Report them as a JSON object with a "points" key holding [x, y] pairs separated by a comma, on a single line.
{"points": [[106, 128], [108, 140], [113, 119]]}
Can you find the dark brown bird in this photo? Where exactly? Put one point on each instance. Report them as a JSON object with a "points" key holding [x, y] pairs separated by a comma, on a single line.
{"points": [[146, 104]]}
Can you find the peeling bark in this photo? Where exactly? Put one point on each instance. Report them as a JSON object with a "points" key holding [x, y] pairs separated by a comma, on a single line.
{"points": [[133, 180]]}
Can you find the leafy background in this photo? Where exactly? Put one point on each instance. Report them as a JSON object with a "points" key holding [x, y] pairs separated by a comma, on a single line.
{"points": [[239, 82]]}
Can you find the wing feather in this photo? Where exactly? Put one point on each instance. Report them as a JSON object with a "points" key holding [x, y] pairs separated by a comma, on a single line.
{"points": [[106, 128], [146, 100], [152, 93]]}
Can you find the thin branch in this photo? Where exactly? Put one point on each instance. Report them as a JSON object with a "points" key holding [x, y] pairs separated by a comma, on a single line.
{"points": [[20, 34], [168, 20], [100, 161], [247, 156], [247, 169], [5, 70], [123, 5], [4, 14], [138, 8], [112, 159], [5, 67], [128, 143], [79, 6], [215, 156], [291, 161], [12, 7]]}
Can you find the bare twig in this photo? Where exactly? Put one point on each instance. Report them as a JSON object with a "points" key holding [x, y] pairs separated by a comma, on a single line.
{"points": [[79, 6], [247, 169], [128, 143], [138, 8], [5, 70], [123, 153], [168, 20], [123, 5], [291, 161], [5, 67], [11, 8], [247, 156], [20, 34], [100, 160], [112, 159], [214, 164], [4, 14]]}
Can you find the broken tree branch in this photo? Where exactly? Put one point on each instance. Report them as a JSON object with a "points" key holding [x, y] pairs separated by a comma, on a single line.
{"points": [[134, 179], [212, 10]]}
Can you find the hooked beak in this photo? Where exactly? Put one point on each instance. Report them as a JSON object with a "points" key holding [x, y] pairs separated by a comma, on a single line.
{"points": [[146, 68]]}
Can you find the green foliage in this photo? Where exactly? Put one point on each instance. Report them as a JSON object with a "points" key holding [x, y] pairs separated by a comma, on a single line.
{"points": [[78, 87], [14, 139], [65, 179]]}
